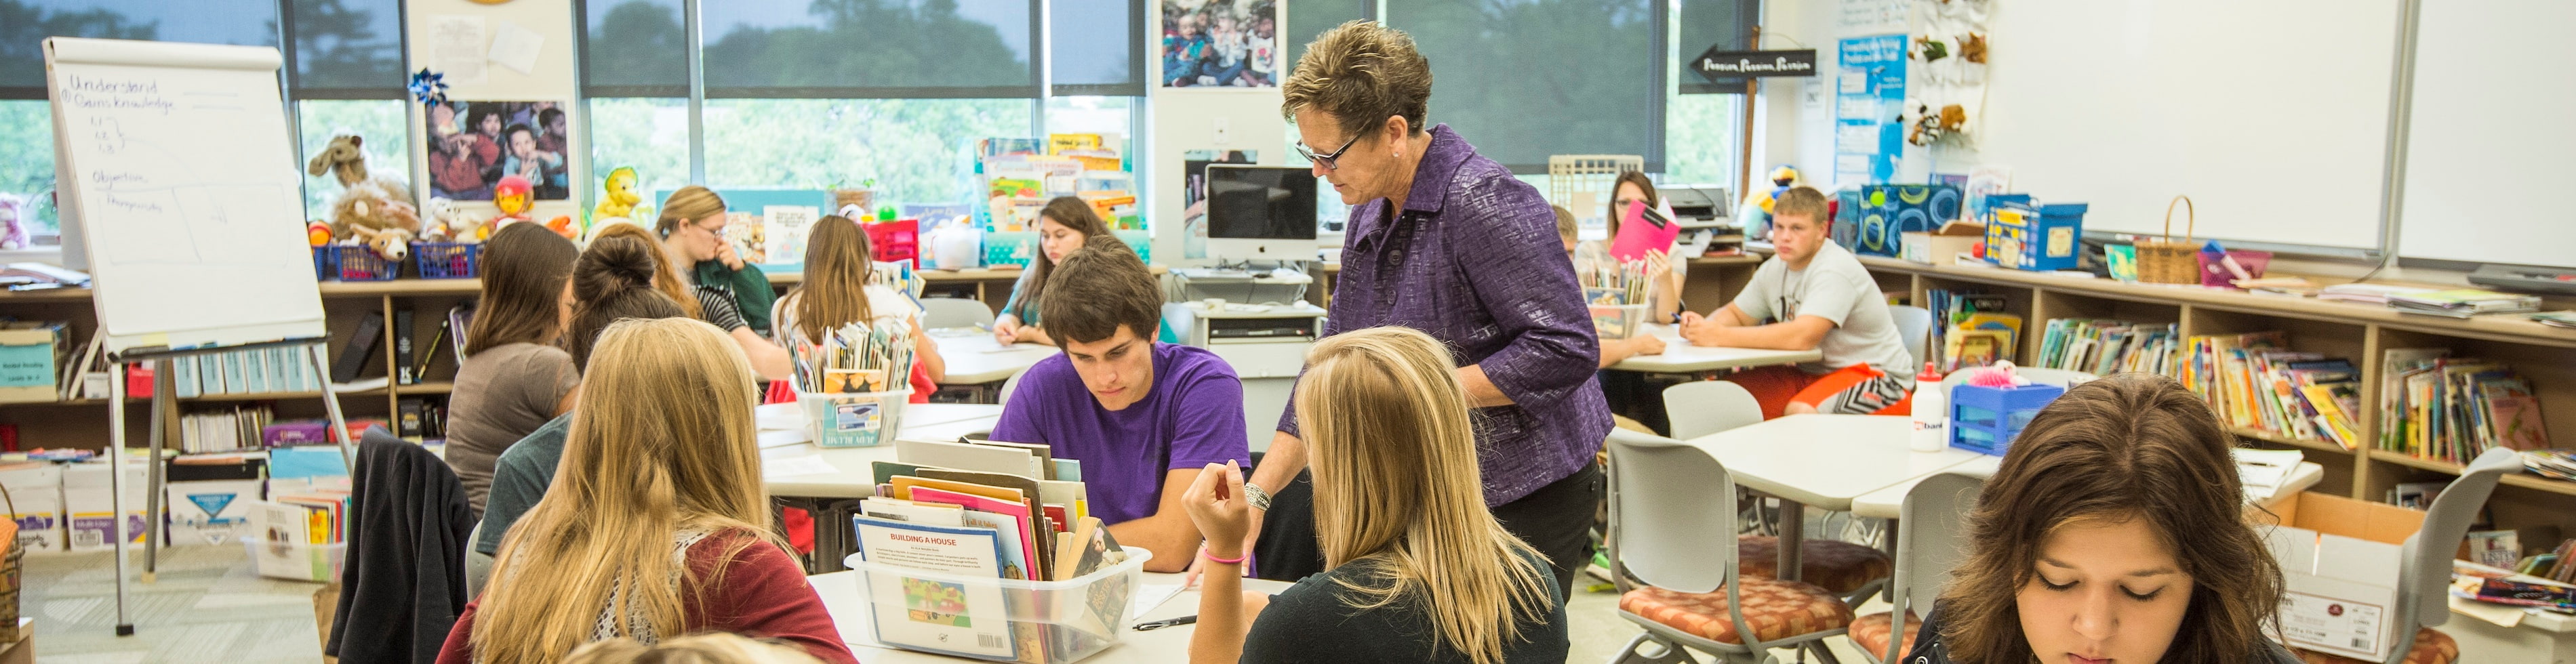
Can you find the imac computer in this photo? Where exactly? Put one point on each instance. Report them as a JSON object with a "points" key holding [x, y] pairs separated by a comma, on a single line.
{"points": [[1260, 213]]}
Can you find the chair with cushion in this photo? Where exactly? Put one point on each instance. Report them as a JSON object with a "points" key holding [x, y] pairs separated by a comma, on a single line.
{"points": [[1671, 505], [1931, 539], [2423, 582]]}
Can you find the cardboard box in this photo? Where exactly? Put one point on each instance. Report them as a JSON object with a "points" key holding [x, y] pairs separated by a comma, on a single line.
{"points": [[28, 357], [209, 503], [1943, 245], [37, 489], [2340, 558], [91, 505]]}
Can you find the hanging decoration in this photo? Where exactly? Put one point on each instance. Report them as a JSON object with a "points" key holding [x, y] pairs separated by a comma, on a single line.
{"points": [[1950, 53], [428, 88]]}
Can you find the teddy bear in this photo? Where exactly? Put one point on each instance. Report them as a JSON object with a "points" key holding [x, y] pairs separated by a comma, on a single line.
{"points": [[368, 200], [13, 222], [391, 243], [443, 221]]}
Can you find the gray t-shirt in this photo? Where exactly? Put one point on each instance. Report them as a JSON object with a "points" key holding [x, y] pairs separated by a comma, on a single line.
{"points": [[1836, 287], [501, 395]]}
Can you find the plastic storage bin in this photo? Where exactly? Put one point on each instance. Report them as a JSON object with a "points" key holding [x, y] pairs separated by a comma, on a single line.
{"points": [[298, 562], [843, 419], [897, 241], [357, 262], [447, 260], [1986, 419], [1071, 619], [2035, 236], [1617, 321], [326, 262]]}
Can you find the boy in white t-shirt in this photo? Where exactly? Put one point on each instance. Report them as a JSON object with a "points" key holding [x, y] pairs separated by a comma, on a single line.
{"points": [[1813, 294]]}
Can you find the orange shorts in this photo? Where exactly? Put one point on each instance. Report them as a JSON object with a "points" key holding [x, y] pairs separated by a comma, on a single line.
{"points": [[1854, 390]]}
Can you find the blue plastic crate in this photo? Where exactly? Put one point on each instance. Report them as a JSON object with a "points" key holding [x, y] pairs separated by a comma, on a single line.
{"points": [[358, 262], [2033, 236], [447, 260], [1986, 419], [326, 262]]}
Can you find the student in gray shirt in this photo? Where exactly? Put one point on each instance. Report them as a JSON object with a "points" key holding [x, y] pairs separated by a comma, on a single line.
{"points": [[1813, 294]]}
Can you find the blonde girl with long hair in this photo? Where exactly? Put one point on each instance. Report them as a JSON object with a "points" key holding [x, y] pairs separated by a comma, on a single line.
{"points": [[1417, 569], [656, 525], [841, 288]]}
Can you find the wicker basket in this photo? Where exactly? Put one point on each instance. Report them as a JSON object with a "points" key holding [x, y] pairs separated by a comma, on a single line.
{"points": [[2165, 261]]}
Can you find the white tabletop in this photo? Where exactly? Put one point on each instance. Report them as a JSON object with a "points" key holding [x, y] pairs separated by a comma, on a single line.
{"points": [[850, 615], [1825, 461], [1681, 357], [975, 359]]}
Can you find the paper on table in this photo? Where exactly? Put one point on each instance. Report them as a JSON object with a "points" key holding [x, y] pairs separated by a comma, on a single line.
{"points": [[456, 48], [784, 437], [777, 416], [2501, 615], [811, 464], [516, 47], [1151, 595]]}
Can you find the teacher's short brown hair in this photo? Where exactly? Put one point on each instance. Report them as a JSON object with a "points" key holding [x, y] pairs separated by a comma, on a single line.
{"points": [[1361, 73]]}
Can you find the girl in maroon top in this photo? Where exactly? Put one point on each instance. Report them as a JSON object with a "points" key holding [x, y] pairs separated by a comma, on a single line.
{"points": [[657, 525]]}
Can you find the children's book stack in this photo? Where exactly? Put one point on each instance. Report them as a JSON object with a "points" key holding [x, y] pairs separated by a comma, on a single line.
{"points": [[1021, 174], [2104, 347], [1971, 329], [2255, 382], [224, 428], [986, 549], [2443, 408]]}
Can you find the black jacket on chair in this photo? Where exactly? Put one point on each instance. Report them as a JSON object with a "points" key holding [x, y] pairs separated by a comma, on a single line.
{"points": [[404, 580]]}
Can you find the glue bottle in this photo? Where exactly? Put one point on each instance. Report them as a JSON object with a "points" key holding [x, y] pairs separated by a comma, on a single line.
{"points": [[1931, 412]]}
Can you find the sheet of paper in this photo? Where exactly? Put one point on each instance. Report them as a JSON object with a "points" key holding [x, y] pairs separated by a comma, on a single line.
{"points": [[784, 437], [2501, 615], [797, 466], [456, 49], [516, 47], [1151, 595]]}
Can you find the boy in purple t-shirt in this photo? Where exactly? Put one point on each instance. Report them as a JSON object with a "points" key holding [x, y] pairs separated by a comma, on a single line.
{"points": [[1142, 417]]}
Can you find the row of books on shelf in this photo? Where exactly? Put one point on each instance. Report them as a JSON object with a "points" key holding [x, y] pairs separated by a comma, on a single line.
{"points": [[2103, 347], [2256, 382], [948, 514], [2450, 409], [1970, 328], [1021, 174]]}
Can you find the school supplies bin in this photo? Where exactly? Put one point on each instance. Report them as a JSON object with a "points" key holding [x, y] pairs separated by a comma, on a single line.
{"points": [[326, 262], [1986, 419], [1617, 321], [897, 241], [854, 419], [359, 262], [1067, 620], [447, 260], [2036, 236], [296, 561]]}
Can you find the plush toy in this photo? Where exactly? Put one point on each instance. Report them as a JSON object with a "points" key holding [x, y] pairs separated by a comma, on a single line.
{"points": [[317, 233], [1756, 210], [13, 222], [562, 225], [392, 244], [368, 200], [2000, 374], [514, 195], [621, 198]]}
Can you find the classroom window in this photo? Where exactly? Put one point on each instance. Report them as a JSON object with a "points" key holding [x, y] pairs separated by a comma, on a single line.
{"points": [[869, 48], [383, 126], [1093, 49], [1525, 80], [27, 163], [634, 48], [347, 49], [650, 134], [914, 149], [1702, 135]]}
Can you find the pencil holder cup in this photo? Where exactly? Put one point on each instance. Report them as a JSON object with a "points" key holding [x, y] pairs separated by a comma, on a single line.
{"points": [[1617, 321], [854, 419]]}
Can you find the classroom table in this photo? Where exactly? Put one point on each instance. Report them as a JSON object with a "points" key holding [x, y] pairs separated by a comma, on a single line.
{"points": [[1822, 461], [1889, 503], [851, 616], [1681, 357], [850, 475], [976, 359]]}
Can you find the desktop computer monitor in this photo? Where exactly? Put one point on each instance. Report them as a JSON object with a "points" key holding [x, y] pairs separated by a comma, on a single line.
{"points": [[1260, 213]]}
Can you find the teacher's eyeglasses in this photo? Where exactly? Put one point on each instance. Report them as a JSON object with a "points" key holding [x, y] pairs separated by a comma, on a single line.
{"points": [[1326, 160]]}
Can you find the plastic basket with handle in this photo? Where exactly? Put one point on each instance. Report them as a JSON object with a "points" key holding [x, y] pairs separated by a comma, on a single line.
{"points": [[2165, 261]]}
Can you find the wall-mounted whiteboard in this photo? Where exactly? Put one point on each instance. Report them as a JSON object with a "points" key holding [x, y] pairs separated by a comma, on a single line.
{"points": [[2273, 116], [2491, 151], [178, 168]]}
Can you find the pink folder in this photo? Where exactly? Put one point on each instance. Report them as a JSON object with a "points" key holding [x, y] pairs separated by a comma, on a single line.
{"points": [[1644, 230]]}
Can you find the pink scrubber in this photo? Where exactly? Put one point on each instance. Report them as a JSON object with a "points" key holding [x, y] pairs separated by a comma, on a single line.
{"points": [[1999, 375]]}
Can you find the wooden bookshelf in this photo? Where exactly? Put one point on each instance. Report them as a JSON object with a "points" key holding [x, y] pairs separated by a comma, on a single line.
{"points": [[2544, 508]]}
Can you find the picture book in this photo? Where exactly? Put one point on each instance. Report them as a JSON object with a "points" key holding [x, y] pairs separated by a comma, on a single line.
{"points": [[1641, 231], [783, 241], [939, 610], [1010, 521], [937, 514]]}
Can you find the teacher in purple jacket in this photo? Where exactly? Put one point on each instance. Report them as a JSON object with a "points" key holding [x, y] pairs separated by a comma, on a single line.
{"points": [[1446, 241]]}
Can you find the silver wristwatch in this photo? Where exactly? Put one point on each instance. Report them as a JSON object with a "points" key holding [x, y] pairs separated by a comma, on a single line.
{"points": [[1260, 498]]}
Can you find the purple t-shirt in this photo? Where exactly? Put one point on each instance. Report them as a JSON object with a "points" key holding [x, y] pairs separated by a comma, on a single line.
{"points": [[1191, 417]]}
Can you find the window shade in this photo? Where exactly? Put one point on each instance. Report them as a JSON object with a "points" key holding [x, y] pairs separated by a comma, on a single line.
{"points": [[634, 48], [24, 25], [1094, 48], [869, 48], [1707, 23], [1524, 79]]}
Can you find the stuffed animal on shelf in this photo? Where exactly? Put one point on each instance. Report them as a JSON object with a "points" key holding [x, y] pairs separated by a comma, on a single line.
{"points": [[514, 195], [13, 222], [392, 244], [1999, 374], [562, 225], [368, 200], [317, 233], [621, 198]]}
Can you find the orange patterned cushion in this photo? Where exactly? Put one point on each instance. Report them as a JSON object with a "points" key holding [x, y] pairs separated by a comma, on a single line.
{"points": [[2431, 647], [1838, 566], [1870, 633], [1775, 609]]}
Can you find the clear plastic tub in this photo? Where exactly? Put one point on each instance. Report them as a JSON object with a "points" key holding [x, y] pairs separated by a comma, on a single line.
{"points": [[296, 561], [854, 419], [1617, 321], [1065, 621]]}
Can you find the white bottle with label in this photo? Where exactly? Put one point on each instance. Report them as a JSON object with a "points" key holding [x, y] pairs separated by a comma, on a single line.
{"points": [[1931, 412]]}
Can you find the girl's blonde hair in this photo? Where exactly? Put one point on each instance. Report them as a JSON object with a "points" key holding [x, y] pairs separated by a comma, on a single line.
{"points": [[707, 648], [666, 275], [838, 266], [689, 204], [668, 446], [1397, 489]]}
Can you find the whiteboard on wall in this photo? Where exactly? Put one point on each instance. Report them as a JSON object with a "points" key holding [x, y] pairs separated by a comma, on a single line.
{"points": [[2273, 116], [2488, 163], [183, 179]]}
